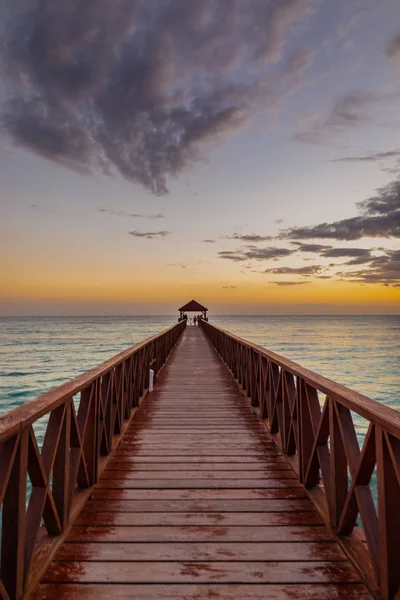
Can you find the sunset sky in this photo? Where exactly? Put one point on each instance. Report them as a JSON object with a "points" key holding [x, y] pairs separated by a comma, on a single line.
{"points": [[245, 153]]}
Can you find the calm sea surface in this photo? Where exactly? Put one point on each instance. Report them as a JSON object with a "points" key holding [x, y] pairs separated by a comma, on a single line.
{"points": [[363, 353]]}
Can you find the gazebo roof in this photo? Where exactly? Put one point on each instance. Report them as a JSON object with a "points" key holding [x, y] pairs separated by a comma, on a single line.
{"points": [[192, 306]]}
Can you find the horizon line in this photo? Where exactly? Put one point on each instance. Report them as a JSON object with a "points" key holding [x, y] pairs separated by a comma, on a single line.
{"points": [[30, 316]]}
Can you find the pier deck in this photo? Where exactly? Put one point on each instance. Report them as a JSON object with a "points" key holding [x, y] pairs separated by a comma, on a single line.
{"points": [[197, 502]]}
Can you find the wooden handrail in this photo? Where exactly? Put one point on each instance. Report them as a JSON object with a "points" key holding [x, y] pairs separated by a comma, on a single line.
{"points": [[81, 433], [320, 442]]}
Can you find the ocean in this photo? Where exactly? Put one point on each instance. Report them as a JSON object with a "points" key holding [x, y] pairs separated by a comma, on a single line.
{"points": [[363, 353]]}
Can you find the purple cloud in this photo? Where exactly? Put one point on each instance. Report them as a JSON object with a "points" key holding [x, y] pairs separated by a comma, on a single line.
{"points": [[138, 88]]}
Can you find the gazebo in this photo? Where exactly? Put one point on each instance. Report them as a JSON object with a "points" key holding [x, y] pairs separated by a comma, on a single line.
{"points": [[193, 306]]}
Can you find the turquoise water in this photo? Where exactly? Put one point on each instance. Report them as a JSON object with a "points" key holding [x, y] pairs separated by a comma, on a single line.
{"points": [[37, 354]]}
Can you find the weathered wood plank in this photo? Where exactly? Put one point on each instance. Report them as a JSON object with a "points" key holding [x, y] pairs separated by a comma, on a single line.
{"points": [[199, 519], [271, 551], [206, 494], [128, 474], [175, 465], [211, 533], [193, 484], [202, 572], [203, 592], [184, 506], [226, 462]]}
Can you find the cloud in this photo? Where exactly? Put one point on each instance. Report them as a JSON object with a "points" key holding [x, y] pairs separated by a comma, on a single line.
{"points": [[371, 157], [267, 253], [317, 248], [255, 253], [361, 260], [393, 47], [250, 237], [305, 271], [149, 235], [350, 111], [344, 252], [137, 88], [121, 213], [289, 283], [232, 255], [383, 269], [209, 241], [229, 287], [380, 217]]}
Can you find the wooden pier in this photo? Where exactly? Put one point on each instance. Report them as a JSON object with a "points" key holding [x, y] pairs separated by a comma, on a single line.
{"points": [[221, 483]]}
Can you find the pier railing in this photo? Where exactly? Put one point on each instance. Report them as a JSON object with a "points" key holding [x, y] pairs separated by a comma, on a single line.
{"points": [[44, 486], [311, 419]]}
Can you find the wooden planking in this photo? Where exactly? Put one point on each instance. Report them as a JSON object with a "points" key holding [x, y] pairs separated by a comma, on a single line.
{"points": [[202, 494], [195, 484], [198, 519], [198, 493], [207, 506], [227, 462], [285, 551], [128, 474], [203, 591], [218, 451], [228, 467], [203, 572], [201, 534]]}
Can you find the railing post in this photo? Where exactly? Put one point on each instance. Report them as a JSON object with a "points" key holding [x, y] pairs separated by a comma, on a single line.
{"points": [[88, 424], [61, 469], [388, 471], [339, 475], [14, 522]]}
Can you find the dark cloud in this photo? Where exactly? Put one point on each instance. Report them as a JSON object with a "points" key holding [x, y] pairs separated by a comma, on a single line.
{"points": [[289, 283], [372, 157], [136, 87], [266, 253], [305, 271], [383, 158], [344, 252], [393, 47], [250, 237], [317, 248], [149, 235], [380, 217], [383, 269], [209, 241], [121, 213], [361, 260], [255, 253], [232, 255]]}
